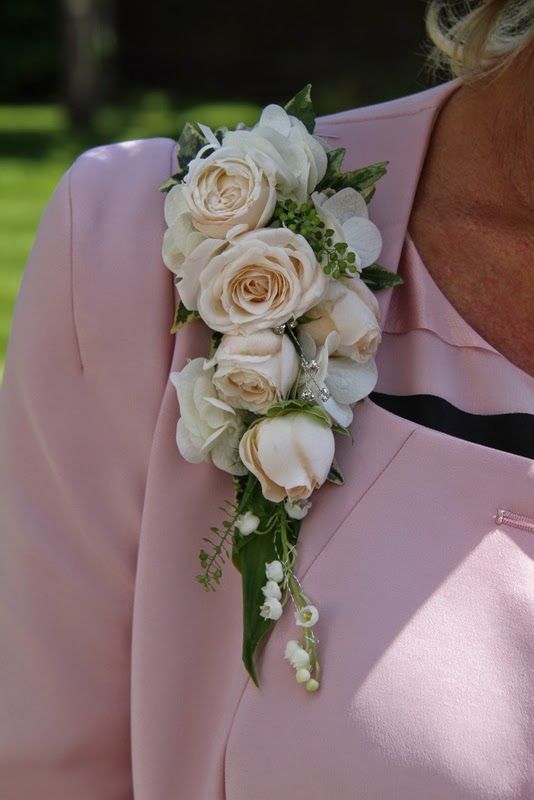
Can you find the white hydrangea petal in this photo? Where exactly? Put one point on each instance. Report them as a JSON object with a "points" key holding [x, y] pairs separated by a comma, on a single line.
{"points": [[364, 237], [349, 380], [342, 414], [345, 204]]}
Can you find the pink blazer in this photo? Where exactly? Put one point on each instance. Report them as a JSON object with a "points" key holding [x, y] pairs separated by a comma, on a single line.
{"points": [[120, 677]]}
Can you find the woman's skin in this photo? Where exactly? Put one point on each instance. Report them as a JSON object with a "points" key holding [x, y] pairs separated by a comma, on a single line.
{"points": [[473, 215]]}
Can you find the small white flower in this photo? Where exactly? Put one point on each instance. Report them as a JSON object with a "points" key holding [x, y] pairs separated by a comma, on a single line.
{"points": [[312, 685], [271, 608], [274, 570], [272, 589], [302, 675], [300, 659], [291, 647], [306, 616], [247, 523], [297, 509]]}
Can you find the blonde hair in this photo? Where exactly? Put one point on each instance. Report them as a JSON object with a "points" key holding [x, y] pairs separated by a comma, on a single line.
{"points": [[474, 38]]}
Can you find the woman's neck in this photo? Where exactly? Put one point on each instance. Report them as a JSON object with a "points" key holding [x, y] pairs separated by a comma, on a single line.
{"points": [[473, 215]]}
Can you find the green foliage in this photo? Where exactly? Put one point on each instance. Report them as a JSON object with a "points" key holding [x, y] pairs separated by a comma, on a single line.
{"points": [[362, 179], [182, 316], [190, 141], [250, 554], [301, 106], [335, 475], [377, 277], [305, 407]]}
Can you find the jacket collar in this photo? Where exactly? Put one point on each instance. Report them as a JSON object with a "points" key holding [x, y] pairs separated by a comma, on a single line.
{"points": [[397, 131]]}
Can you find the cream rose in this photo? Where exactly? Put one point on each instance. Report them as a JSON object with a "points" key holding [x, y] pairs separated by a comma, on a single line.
{"points": [[300, 156], [258, 281], [180, 237], [290, 455], [208, 429], [253, 372], [351, 309], [229, 188]]}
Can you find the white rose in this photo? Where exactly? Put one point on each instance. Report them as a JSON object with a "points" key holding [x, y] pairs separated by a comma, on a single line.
{"points": [[300, 157], [208, 429], [290, 455], [253, 372], [351, 310], [345, 212], [259, 280], [229, 188], [180, 237]]}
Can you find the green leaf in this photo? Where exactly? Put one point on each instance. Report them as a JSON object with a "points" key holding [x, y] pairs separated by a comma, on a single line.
{"points": [[301, 106], [258, 550], [333, 169], [167, 185], [377, 277], [182, 316], [335, 475], [190, 141], [362, 179]]}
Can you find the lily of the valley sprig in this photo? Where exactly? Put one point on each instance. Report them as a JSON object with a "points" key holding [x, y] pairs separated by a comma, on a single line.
{"points": [[272, 248]]}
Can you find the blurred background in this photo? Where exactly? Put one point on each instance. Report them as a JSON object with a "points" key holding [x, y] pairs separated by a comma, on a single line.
{"points": [[78, 73]]}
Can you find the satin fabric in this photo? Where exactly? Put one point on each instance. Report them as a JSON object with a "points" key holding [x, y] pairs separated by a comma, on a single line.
{"points": [[121, 678]]}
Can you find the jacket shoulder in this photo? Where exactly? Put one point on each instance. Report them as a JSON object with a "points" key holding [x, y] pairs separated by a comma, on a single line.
{"points": [[424, 100], [122, 291]]}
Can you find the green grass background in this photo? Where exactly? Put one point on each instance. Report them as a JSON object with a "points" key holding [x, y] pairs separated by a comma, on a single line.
{"points": [[36, 146]]}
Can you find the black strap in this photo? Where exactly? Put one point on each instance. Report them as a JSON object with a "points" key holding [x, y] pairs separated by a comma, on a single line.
{"points": [[510, 432]]}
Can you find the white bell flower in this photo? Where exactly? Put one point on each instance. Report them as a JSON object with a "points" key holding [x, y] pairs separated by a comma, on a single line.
{"points": [[271, 608], [291, 647], [306, 616], [274, 571], [247, 523], [302, 675], [297, 509], [272, 589]]}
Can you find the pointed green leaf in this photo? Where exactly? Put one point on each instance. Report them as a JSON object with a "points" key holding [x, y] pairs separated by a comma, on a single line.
{"points": [[333, 170], [182, 316], [301, 106], [335, 475], [377, 277]]}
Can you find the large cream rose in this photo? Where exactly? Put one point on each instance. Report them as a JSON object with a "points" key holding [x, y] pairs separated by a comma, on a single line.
{"points": [[229, 188], [351, 309], [253, 372], [258, 281], [208, 429], [300, 156], [291, 455]]}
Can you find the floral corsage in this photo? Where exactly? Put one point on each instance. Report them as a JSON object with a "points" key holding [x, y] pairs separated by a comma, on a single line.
{"points": [[272, 247]]}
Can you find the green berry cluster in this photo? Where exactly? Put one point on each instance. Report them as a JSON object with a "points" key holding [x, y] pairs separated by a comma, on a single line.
{"points": [[304, 219]]}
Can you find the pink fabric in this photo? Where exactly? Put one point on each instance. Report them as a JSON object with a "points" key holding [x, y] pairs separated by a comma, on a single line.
{"points": [[121, 678], [428, 348]]}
